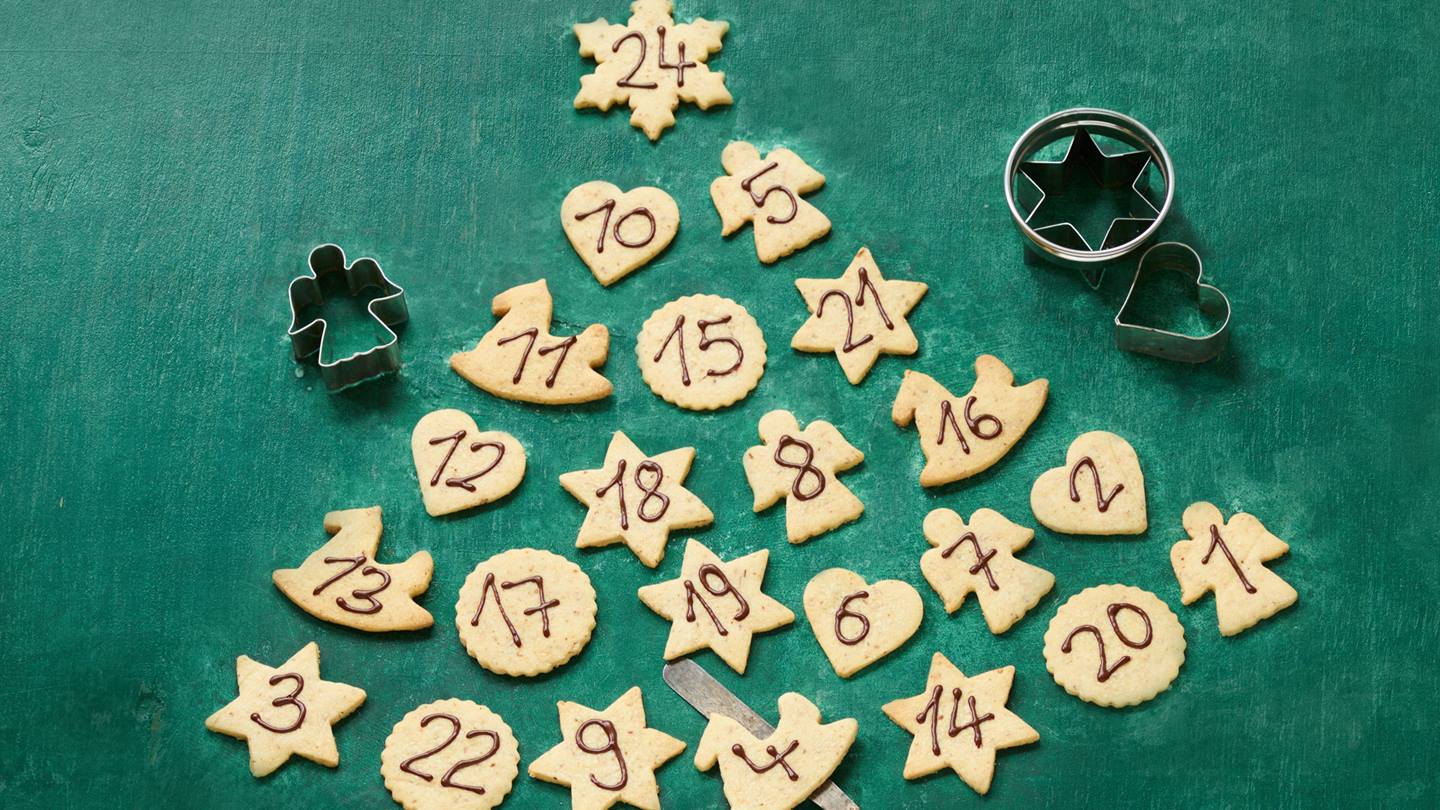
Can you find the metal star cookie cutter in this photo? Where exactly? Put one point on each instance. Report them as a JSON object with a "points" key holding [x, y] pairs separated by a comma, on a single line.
{"points": [[388, 309], [1028, 183], [1133, 337], [700, 689]]}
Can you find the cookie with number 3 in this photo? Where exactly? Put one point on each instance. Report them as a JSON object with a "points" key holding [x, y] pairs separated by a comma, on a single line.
{"points": [[617, 232]]}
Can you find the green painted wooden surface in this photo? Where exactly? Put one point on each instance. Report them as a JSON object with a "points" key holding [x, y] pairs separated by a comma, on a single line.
{"points": [[165, 166]]}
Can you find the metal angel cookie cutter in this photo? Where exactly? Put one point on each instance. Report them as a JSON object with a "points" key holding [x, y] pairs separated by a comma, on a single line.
{"points": [[1030, 183], [1133, 337], [700, 689], [388, 309]]}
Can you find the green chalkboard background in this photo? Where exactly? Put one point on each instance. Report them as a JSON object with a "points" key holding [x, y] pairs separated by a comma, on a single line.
{"points": [[166, 166]]}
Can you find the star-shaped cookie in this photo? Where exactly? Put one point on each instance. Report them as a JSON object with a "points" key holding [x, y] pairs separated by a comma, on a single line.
{"points": [[716, 604], [1229, 559], [803, 466], [858, 316], [636, 499], [607, 756], [286, 710], [960, 723], [652, 64]]}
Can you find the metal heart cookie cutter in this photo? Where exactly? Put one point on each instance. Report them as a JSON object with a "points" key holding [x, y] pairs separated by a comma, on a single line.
{"points": [[1177, 258], [388, 309], [1030, 184]]}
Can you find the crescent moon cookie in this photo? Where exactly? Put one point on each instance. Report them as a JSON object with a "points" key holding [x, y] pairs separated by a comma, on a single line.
{"points": [[701, 352], [716, 604], [1100, 490], [525, 611], [858, 316], [286, 710], [767, 194], [460, 467], [858, 623], [802, 466], [657, 503], [607, 757], [962, 436], [343, 584], [1114, 645], [519, 359], [616, 232], [1229, 558], [450, 755], [782, 770], [979, 558]]}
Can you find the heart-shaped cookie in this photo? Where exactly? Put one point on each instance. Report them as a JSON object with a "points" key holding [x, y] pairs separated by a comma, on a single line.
{"points": [[1100, 490], [460, 467], [614, 231], [858, 624], [1133, 336]]}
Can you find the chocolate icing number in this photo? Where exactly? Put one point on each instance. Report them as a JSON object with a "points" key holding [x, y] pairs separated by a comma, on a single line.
{"points": [[707, 571], [985, 426], [932, 711], [652, 491], [759, 199], [776, 758], [612, 745], [448, 779], [532, 333], [609, 208], [1102, 502], [1115, 607], [292, 699], [982, 557], [678, 67], [851, 343], [543, 607], [1216, 541], [803, 467], [367, 594], [464, 483], [677, 334]]}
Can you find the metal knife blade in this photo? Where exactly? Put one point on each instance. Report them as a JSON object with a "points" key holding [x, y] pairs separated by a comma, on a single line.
{"points": [[691, 682]]}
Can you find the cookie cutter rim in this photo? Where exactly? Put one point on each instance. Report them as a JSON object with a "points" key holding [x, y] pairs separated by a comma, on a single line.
{"points": [[1052, 128], [1133, 337], [388, 309]]}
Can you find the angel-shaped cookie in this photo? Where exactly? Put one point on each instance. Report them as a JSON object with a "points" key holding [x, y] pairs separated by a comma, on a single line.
{"points": [[979, 557], [1229, 559], [342, 583], [767, 193], [801, 466], [519, 359], [782, 770], [961, 436]]}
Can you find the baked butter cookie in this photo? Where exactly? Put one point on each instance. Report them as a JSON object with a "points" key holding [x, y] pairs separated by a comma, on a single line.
{"points": [[519, 359], [962, 436], [1114, 645], [716, 604], [858, 316], [960, 723], [801, 466], [450, 755], [783, 769], [701, 352], [608, 756], [342, 583], [1229, 558], [1100, 490], [525, 611], [767, 193], [616, 232], [286, 710], [858, 623], [461, 467], [979, 557], [657, 502]]}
